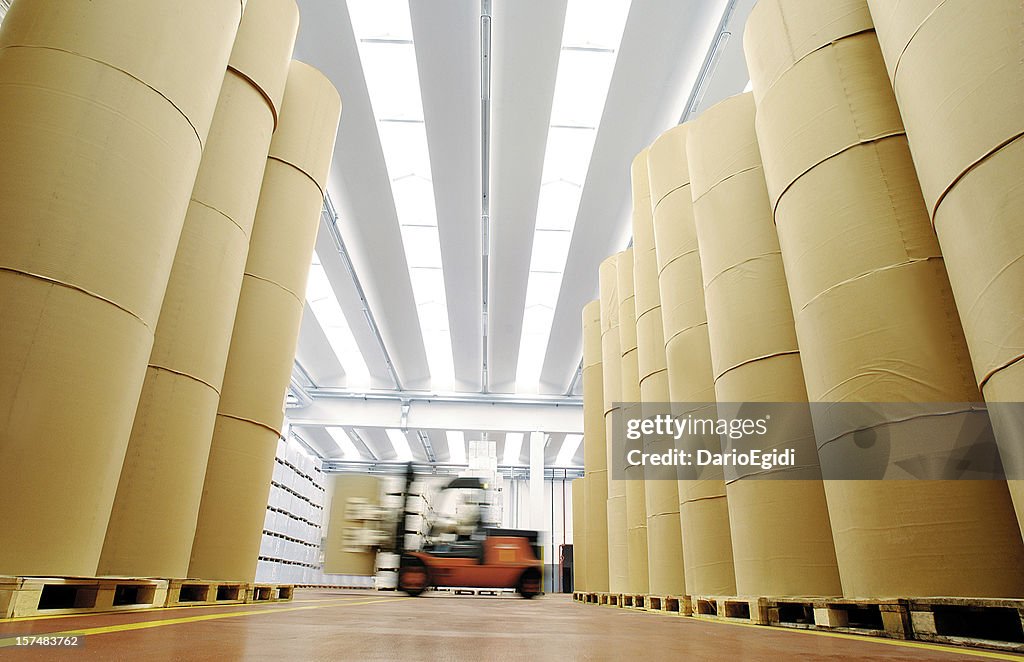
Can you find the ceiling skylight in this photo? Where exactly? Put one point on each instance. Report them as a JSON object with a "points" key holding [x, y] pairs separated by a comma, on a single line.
{"points": [[590, 42], [383, 32], [513, 447], [568, 450], [401, 445], [324, 303], [456, 446], [345, 443]]}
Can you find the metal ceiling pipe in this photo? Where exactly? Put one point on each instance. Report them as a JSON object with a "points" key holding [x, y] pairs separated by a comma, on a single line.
{"points": [[611, 364], [154, 515], [703, 504], [421, 396], [636, 506], [106, 109], [957, 71], [661, 497], [266, 329], [595, 456], [874, 311], [755, 358]]}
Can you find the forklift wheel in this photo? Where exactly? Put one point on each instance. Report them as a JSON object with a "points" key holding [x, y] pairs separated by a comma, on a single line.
{"points": [[529, 583], [413, 577]]}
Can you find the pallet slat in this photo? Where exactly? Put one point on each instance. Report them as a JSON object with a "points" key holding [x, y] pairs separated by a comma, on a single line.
{"points": [[984, 623], [22, 597]]}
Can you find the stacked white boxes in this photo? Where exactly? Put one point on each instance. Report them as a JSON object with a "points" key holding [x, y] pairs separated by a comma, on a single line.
{"points": [[291, 550], [482, 457]]}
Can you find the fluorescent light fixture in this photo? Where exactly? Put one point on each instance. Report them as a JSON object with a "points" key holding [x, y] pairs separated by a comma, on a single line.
{"points": [[456, 446], [383, 31], [570, 445], [324, 303], [345, 443], [401, 445], [590, 41], [513, 447]]}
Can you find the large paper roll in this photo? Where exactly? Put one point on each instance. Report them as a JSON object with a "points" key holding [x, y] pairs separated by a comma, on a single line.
{"points": [[755, 358], [958, 72], [618, 565], [703, 510], [580, 542], [595, 457], [636, 509], [106, 109], [266, 329], [661, 497], [341, 556], [873, 309], [154, 515]]}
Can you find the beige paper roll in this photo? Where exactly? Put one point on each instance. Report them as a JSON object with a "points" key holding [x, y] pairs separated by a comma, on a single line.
{"points": [[266, 330], [874, 312], [595, 458], [150, 533], [636, 509], [343, 555], [580, 541], [755, 357], [661, 497], [703, 508], [958, 72], [106, 109], [618, 565]]}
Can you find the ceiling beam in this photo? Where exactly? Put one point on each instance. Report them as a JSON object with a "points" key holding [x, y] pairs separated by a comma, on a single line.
{"points": [[440, 413]]}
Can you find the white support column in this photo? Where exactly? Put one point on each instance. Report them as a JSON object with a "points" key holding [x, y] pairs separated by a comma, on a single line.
{"points": [[537, 519]]}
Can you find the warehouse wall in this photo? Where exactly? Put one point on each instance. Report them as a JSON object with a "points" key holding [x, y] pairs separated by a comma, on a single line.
{"points": [[558, 515]]}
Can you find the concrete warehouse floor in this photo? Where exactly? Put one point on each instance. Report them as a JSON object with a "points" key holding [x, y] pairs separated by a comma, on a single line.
{"points": [[337, 625]]}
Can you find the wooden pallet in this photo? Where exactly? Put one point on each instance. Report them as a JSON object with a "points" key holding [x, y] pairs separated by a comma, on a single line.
{"points": [[633, 601], [269, 593], [592, 598], [979, 622], [885, 617], [743, 609], [675, 604], [199, 592], [578, 596], [21, 597]]}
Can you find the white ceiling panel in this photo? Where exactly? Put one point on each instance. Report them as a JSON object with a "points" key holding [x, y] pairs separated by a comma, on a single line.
{"points": [[447, 36], [348, 299], [361, 191], [315, 354], [662, 50], [527, 37]]}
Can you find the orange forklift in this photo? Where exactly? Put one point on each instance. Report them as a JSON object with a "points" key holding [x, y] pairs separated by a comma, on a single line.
{"points": [[486, 558]]}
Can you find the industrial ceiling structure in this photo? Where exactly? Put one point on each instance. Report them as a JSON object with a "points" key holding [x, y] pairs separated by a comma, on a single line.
{"points": [[480, 176]]}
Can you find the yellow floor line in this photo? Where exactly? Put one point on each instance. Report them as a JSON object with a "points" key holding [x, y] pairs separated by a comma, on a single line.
{"points": [[45, 617], [143, 625], [956, 650]]}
